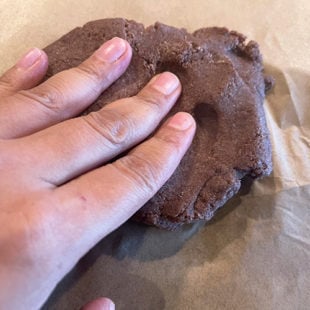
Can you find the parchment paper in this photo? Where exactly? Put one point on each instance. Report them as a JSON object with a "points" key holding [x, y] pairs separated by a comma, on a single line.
{"points": [[255, 253]]}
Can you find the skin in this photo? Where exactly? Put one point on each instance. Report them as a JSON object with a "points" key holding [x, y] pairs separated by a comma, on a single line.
{"points": [[58, 198]]}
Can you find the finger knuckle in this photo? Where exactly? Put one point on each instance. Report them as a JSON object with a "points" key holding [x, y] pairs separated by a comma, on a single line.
{"points": [[150, 99], [115, 129], [144, 172], [6, 82], [92, 72], [172, 143], [52, 99]]}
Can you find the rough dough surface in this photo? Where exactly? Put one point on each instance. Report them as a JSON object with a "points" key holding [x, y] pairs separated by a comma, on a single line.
{"points": [[223, 88]]}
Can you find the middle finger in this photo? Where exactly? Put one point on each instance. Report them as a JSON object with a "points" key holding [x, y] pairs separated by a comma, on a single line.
{"points": [[79, 145]]}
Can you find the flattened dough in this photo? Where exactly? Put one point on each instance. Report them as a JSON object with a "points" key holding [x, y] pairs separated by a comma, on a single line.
{"points": [[223, 88]]}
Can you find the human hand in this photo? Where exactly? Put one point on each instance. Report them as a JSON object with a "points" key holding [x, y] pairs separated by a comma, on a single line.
{"points": [[56, 199]]}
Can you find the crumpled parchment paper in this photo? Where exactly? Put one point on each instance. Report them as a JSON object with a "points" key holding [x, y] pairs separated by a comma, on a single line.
{"points": [[255, 254]]}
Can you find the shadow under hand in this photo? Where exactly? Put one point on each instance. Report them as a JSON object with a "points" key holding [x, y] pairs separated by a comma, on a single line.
{"points": [[134, 244], [128, 291], [145, 243]]}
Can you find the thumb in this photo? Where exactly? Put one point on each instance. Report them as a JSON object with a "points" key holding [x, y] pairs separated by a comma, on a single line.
{"points": [[100, 304]]}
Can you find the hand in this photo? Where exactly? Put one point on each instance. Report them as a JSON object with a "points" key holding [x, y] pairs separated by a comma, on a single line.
{"points": [[56, 199]]}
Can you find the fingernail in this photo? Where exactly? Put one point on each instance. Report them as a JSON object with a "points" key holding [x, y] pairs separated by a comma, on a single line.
{"points": [[99, 303], [181, 121], [166, 83], [30, 58], [112, 50], [108, 305]]}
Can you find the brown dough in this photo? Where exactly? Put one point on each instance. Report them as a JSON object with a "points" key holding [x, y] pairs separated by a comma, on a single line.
{"points": [[223, 88]]}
